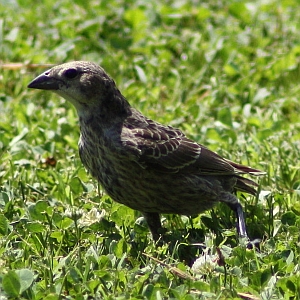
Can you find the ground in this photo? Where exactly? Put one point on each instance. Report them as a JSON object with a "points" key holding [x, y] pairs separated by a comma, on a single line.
{"points": [[226, 73]]}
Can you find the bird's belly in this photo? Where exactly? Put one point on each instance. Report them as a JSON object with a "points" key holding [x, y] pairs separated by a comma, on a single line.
{"points": [[166, 194], [150, 191]]}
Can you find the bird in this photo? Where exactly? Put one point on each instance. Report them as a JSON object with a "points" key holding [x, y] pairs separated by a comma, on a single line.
{"points": [[143, 164]]}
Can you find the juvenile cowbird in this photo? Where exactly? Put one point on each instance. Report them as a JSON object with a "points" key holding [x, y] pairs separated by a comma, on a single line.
{"points": [[141, 163]]}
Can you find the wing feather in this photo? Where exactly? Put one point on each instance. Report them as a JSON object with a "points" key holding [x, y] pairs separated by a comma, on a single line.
{"points": [[167, 149]]}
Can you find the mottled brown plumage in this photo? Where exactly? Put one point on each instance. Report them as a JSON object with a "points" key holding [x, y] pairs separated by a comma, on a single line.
{"points": [[143, 164]]}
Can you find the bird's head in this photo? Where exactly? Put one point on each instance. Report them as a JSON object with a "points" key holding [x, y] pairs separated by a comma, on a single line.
{"points": [[85, 84]]}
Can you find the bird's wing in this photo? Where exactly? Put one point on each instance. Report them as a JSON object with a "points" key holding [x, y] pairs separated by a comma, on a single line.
{"points": [[168, 150]]}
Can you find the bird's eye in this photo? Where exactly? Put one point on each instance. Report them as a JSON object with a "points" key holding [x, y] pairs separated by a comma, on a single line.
{"points": [[71, 73]]}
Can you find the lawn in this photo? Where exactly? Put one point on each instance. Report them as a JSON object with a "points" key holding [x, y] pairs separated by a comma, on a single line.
{"points": [[227, 73]]}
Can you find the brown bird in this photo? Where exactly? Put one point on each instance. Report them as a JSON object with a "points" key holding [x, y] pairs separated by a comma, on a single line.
{"points": [[141, 163]]}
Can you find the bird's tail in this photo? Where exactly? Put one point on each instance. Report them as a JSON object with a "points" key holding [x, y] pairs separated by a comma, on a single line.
{"points": [[244, 184], [245, 170]]}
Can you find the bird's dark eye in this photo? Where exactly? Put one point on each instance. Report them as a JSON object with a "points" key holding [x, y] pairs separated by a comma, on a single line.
{"points": [[71, 73]]}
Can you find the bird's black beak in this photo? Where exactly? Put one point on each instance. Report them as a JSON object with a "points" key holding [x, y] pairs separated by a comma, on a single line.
{"points": [[44, 82]]}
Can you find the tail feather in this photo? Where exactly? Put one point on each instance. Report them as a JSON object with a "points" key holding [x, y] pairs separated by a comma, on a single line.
{"points": [[245, 169], [244, 184]]}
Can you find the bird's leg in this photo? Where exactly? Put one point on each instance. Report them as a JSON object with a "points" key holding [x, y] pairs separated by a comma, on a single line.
{"points": [[154, 224], [241, 225]]}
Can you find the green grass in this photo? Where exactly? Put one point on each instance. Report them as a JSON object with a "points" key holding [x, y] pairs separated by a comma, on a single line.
{"points": [[225, 72]]}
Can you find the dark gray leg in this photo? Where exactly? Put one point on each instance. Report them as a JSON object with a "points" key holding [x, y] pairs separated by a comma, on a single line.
{"points": [[153, 221], [241, 225]]}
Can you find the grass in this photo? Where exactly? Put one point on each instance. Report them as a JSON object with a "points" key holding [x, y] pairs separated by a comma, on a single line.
{"points": [[225, 72]]}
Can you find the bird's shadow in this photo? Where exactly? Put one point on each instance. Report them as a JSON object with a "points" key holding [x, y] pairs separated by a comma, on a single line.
{"points": [[186, 244]]}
